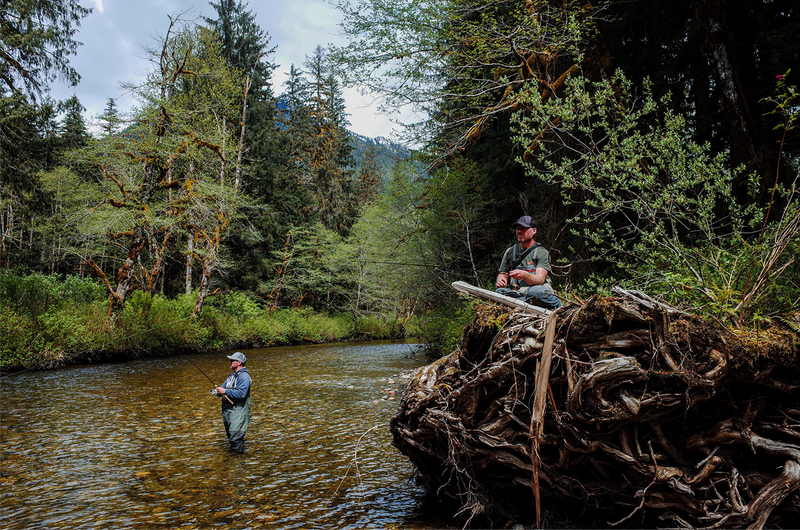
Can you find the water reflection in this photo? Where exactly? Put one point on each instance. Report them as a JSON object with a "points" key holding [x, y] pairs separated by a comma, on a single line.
{"points": [[141, 444]]}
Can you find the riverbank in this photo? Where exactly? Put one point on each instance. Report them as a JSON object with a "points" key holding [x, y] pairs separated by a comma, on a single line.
{"points": [[51, 323]]}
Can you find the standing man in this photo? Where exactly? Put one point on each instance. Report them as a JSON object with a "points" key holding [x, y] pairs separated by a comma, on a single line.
{"points": [[525, 268], [236, 412]]}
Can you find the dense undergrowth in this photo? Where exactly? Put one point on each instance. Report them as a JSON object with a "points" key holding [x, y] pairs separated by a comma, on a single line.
{"points": [[47, 322]]}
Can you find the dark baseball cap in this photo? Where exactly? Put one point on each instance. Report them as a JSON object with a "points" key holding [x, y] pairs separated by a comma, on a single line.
{"points": [[527, 221]]}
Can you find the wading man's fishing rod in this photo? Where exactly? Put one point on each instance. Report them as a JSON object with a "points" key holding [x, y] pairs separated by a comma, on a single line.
{"points": [[212, 382]]}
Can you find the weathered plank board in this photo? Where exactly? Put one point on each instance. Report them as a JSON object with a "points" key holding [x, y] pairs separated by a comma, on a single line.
{"points": [[497, 298]]}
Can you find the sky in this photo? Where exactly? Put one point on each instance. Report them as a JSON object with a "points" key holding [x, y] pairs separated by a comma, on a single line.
{"points": [[115, 34]]}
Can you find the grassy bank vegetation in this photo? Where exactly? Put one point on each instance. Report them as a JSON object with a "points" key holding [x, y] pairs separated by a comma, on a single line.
{"points": [[47, 322]]}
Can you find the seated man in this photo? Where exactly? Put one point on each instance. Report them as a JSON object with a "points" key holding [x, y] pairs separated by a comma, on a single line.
{"points": [[525, 268]]}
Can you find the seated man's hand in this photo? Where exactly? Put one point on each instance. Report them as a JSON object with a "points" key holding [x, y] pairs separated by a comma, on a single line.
{"points": [[518, 274]]}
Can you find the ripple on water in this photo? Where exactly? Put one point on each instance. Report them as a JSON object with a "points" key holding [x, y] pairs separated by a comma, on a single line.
{"points": [[140, 445]]}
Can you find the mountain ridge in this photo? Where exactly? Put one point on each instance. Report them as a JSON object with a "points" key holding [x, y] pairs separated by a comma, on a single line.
{"points": [[389, 152]]}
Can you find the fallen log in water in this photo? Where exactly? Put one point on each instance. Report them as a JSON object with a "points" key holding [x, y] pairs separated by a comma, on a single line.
{"points": [[643, 415]]}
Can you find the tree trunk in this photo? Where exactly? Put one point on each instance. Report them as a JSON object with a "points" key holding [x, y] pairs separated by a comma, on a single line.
{"points": [[224, 133], [202, 291], [746, 146], [240, 151], [189, 259], [280, 274], [157, 273], [492, 296], [125, 276]]}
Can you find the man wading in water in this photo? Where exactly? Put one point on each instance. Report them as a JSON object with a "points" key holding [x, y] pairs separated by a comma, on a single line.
{"points": [[236, 412]]}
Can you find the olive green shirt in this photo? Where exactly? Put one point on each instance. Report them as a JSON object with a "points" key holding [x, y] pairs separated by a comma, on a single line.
{"points": [[538, 257]]}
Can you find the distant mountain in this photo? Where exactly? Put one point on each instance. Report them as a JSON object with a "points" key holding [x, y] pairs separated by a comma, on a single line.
{"points": [[389, 152]]}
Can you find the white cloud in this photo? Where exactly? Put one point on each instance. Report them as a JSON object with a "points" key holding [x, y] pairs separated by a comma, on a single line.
{"points": [[117, 30]]}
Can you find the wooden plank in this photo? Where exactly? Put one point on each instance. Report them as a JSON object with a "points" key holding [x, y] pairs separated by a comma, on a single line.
{"points": [[492, 296], [539, 402]]}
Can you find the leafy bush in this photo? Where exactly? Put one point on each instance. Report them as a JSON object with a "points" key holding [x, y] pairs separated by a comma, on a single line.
{"points": [[18, 344], [378, 327], [73, 324], [442, 328], [38, 293], [656, 206], [64, 330], [239, 305], [302, 325]]}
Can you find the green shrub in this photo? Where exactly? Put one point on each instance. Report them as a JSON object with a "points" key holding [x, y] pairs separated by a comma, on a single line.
{"points": [[82, 290], [64, 330], [239, 305], [303, 325], [378, 327], [72, 323], [17, 345], [37, 293], [442, 328]]}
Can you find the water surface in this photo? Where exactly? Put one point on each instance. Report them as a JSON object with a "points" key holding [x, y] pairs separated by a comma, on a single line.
{"points": [[141, 445]]}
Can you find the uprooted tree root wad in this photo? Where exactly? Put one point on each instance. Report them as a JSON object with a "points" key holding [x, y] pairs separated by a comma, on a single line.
{"points": [[650, 416]]}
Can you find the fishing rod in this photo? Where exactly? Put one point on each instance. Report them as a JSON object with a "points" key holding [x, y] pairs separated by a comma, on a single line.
{"points": [[212, 382]]}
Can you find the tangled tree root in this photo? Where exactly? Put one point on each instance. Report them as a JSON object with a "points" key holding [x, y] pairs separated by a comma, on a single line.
{"points": [[646, 415]]}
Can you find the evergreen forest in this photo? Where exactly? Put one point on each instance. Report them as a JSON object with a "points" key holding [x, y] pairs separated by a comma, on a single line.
{"points": [[655, 141]]}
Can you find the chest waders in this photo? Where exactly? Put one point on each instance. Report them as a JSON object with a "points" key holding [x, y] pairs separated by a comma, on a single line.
{"points": [[236, 417]]}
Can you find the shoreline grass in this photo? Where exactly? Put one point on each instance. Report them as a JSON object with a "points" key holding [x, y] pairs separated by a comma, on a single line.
{"points": [[49, 322]]}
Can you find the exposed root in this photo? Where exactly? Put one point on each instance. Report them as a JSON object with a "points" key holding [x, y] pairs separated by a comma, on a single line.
{"points": [[643, 413]]}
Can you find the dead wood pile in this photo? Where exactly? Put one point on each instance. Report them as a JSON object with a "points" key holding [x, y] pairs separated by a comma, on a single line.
{"points": [[647, 416]]}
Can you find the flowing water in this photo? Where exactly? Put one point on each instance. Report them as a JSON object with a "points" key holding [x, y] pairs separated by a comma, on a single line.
{"points": [[141, 445]]}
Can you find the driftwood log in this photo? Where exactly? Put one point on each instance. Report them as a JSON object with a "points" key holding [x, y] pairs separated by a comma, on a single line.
{"points": [[617, 412]]}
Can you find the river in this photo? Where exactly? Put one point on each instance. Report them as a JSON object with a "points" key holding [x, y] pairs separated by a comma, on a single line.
{"points": [[140, 444]]}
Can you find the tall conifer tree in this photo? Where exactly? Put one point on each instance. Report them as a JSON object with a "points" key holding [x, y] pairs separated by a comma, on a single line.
{"points": [[73, 133], [331, 172], [36, 40]]}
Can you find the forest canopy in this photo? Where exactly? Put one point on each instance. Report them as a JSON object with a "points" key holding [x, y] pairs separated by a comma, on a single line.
{"points": [[655, 142]]}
